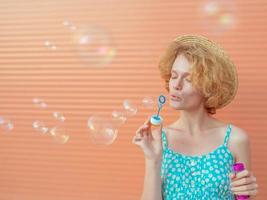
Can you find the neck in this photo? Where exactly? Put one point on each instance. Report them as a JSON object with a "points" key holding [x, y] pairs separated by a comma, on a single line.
{"points": [[194, 122]]}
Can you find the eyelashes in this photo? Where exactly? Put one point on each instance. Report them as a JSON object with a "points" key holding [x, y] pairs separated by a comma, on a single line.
{"points": [[187, 79]]}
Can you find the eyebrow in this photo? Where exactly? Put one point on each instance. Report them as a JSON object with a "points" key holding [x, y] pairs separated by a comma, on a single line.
{"points": [[187, 73]]}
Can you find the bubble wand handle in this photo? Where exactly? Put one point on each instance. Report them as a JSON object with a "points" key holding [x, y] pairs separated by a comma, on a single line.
{"points": [[159, 109]]}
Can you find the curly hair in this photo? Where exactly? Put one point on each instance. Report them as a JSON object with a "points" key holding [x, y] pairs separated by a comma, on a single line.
{"points": [[212, 71]]}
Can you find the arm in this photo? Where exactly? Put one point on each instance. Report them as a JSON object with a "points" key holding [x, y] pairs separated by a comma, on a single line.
{"points": [[151, 144], [240, 146], [152, 181], [244, 183]]}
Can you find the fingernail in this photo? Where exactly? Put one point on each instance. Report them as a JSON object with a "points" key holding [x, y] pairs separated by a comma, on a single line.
{"points": [[232, 176]]}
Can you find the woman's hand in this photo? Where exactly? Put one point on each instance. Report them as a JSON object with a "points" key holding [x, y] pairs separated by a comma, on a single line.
{"points": [[149, 141], [244, 183]]}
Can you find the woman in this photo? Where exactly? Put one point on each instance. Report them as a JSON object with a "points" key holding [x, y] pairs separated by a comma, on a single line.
{"points": [[192, 158]]}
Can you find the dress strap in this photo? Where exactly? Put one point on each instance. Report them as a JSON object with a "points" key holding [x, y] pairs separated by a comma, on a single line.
{"points": [[164, 139], [227, 135]]}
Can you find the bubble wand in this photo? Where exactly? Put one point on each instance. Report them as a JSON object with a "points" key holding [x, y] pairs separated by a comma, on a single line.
{"points": [[156, 119]]}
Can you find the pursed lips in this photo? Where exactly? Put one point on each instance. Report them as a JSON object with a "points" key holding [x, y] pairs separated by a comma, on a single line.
{"points": [[175, 97]]}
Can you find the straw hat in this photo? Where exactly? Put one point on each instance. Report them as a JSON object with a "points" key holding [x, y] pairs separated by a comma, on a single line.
{"points": [[218, 51]]}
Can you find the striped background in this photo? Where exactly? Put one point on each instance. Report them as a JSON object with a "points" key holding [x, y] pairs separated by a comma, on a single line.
{"points": [[32, 166]]}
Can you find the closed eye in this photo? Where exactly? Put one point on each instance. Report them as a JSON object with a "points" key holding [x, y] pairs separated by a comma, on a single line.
{"points": [[173, 76], [174, 73], [188, 79]]}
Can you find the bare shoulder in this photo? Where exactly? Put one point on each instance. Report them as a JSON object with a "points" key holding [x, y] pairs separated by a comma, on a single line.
{"points": [[239, 145], [169, 129], [238, 136]]}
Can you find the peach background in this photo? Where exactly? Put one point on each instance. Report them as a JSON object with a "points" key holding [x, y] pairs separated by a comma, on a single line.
{"points": [[33, 167]]}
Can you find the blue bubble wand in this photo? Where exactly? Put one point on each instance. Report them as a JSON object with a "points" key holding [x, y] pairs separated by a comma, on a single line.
{"points": [[156, 119]]}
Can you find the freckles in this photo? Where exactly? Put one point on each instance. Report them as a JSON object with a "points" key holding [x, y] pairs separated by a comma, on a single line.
{"points": [[192, 98], [190, 92]]}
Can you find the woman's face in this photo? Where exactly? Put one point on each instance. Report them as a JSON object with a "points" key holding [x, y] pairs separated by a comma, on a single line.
{"points": [[183, 96]]}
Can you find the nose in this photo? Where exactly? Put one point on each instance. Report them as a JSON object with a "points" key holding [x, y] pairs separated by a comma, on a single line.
{"points": [[178, 84]]}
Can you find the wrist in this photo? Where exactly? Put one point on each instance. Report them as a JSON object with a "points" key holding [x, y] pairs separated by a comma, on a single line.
{"points": [[152, 163]]}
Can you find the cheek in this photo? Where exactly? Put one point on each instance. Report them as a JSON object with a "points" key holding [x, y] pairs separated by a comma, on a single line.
{"points": [[170, 83], [191, 95], [189, 91]]}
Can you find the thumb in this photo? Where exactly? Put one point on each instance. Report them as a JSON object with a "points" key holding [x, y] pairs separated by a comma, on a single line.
{"points": [[159, 132], [161, 127]]}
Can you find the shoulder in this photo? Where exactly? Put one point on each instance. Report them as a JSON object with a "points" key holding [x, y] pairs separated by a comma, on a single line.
{"points": [[238, 136], [239, 145], [168, 130]]}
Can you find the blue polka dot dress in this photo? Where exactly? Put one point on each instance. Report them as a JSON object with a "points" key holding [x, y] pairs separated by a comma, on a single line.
{"points": [[197, 177]]}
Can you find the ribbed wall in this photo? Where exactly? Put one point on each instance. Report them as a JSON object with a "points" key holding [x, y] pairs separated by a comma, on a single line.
{"points": [[32, 166]]}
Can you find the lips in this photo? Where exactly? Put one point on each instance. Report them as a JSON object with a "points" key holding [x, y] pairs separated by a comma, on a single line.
{"points": [[175, 98]]}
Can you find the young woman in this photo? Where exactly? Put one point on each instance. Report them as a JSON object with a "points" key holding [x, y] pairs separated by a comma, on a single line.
{"points": [[192, 158]]}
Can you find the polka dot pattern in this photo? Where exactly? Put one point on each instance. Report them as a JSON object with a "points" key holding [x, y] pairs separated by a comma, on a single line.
{"points": [[197, 177]]}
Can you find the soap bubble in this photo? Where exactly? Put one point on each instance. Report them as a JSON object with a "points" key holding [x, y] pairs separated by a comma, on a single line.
{"points": [[101, 131], [6, 125], [40, 127], [50, 45], [39, 103], [2, 120], [219, 15], [57, 132], [130, 109], [148, 102], [59, 135], [59, 116], [118, 118], [68, 24], [94, 46]]}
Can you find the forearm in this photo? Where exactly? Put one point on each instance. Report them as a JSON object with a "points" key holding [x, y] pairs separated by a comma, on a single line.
{"points": [[152, 181]]}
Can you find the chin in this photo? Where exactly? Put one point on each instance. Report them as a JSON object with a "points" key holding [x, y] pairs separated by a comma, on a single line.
{"points": [[175, 106]]}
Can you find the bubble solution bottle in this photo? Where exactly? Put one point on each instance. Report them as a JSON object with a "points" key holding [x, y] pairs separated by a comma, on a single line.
{"points": [[238, 167]]}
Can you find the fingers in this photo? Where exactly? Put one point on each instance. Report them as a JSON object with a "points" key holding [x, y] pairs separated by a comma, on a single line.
{"points": [[161, 127], [232, 175], [244, 188], [250, 193], [136, 140], [145, 129], [139, 132], [243, 181], [148, 123], [142, 132], [157, 134], [242, 174]]}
